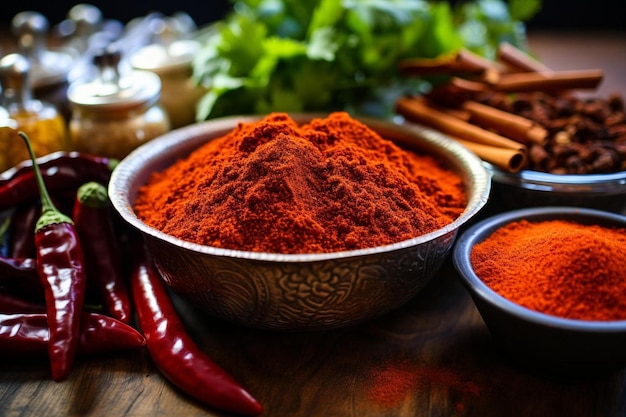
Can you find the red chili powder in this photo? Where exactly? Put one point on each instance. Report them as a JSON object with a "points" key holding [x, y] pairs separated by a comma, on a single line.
{"points": [[273, 186], [395, 381], [557, 267], [391, 385]]}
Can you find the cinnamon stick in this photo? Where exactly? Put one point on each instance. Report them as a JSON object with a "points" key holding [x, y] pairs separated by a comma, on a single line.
{"points": [[508, 124], [454, 111], [469, 86], [417, 110], [468, 58], [457, 90], [463, 61], [519, 60], [510, 160], [427, 66], [549, 82]]}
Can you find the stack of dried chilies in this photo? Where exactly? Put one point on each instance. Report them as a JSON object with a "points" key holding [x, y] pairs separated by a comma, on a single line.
{"points": [[470, 107], [56, 262]]}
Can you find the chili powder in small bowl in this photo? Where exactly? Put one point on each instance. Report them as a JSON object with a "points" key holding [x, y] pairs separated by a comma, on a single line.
{"points": [[550, 284], [299, 222]]}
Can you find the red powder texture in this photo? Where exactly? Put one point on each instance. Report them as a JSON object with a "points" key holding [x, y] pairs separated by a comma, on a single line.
{"points": [[273, 186], [394, 382], [392, 385], [562, 268]]}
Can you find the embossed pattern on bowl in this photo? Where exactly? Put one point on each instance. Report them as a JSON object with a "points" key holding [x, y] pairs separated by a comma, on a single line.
{"points": [[295, 291]]}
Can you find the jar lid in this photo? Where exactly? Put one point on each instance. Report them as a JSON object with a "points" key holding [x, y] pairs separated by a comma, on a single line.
{"points": [[49, 67], [110, 90], [14, 76], [162, 58], [5, 119]]}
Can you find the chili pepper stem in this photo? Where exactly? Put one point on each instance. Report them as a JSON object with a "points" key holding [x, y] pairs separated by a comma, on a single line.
{"points": [[50, 214], [5, 225], [3, 229]]}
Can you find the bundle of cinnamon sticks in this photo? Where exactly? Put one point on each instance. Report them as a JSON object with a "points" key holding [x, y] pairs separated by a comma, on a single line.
{"points": [[499, 137]]}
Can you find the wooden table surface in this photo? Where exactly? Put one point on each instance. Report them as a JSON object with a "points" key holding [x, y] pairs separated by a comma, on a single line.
{"points": [[437, 346]]}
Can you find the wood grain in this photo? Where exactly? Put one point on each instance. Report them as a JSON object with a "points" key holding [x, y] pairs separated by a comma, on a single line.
{"points": [[438, 337]]}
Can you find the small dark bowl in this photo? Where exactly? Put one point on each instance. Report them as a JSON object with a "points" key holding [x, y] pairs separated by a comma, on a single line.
{"points": [[534, 339], [524, 189]]}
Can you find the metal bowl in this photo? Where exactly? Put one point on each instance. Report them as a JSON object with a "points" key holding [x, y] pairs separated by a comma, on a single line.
{"points": [[528, 188], [295, 291], [534, 339]]}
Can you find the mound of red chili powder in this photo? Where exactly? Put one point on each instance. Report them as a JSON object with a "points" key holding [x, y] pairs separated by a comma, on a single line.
{"points": [[274, 186], [563, 268]]}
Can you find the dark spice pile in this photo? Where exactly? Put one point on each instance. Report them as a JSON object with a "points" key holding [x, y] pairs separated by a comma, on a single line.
{"points": [[580, 134], [585, 135]]}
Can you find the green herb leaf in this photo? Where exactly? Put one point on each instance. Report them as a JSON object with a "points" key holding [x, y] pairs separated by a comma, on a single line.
{"points": [[524, 10], [323, 55]]}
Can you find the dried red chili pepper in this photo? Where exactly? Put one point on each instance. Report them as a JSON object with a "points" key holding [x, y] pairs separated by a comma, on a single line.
{"points": [[175, 353], [60, 171], [11, 268], [81, 164], [21, 235], [60, 265], [9, 303], [93, 222], [20, 275], [27, 334]]}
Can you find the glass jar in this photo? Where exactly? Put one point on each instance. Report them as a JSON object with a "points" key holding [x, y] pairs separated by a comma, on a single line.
{"points": [[170, 57], [40, 120], [51, 70], [114, 114]]}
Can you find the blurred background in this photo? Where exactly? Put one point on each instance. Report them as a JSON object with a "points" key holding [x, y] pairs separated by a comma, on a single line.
{"points": [[574, 34], [567, 15]]}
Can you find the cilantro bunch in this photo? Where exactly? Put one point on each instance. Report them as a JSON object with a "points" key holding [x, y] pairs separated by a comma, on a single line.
{"points": [[325, 55]]}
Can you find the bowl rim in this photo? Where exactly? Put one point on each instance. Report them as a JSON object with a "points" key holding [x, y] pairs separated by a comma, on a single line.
{"points": [[477, 288], [481, 182], [574, 184]]}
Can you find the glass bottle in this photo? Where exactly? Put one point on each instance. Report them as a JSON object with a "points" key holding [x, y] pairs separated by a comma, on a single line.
{"points": [[40, 120], [170, 56], [51, 70], [115, 113]]}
